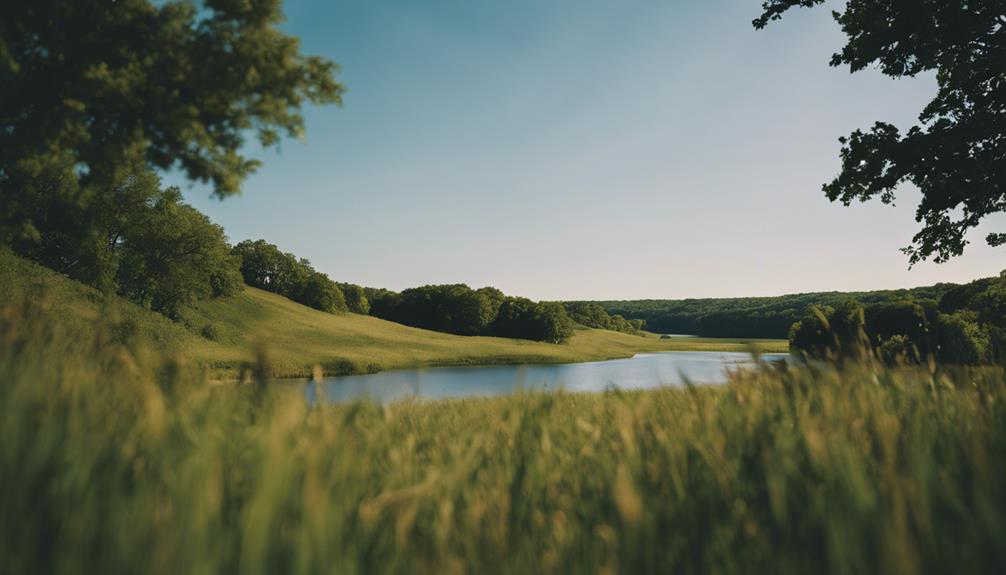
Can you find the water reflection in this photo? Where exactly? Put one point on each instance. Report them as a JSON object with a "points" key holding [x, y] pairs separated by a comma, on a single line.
{"points": [[644, 371]]}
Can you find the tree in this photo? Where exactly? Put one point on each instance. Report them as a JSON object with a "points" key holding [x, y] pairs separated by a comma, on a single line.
{"points": [[384, 303], [812, 336], [321, 293], [962, 339], [79, 234], [551, 323], [956, 155], [265, 266], [356, 299], [589, 314], [260, 263], [90, 88], [908, 318], [593, 315], [173, 255], [522, 318]]}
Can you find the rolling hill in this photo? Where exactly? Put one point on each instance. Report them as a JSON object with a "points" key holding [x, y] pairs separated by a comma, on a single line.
{"points": [[225, 333]]}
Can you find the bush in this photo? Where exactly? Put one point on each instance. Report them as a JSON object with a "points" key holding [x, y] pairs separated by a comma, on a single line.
{"points": [[210, 331], [962, 339]]}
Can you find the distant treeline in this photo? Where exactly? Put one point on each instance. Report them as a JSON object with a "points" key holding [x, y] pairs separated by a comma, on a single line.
{"points": [[967, 325], [454, 308], [461, 310], [752, 317], [593, 315]]}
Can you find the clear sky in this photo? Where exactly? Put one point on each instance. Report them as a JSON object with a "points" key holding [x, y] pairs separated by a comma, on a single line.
{"points": [[585, 149]]}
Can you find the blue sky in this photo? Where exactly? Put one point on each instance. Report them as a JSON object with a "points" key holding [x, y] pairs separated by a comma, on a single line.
{"points": [[584, 149]]}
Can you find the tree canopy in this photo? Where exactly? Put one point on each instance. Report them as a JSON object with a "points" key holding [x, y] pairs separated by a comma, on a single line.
{"points": [[265, 266], [956, 155], [137, 239], [593, 315], [749, 317], [173, 255], [89, 88], [461, 310], [966, 326]]}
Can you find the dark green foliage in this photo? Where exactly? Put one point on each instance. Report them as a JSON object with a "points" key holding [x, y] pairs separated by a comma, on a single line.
{"points": [[260, 263], [172, 256], [453, 308], [356, 298], [982, 302], [837, 333], [321, 293], [812, 335], [907, 317], [264, 266], [383, 302], [955, 154], [522, 318], [95, 93], [964, 328], [753, 317], [593, 315], [458, 309], [962, 339], [210, 331], [90, 87], [136, 239], [897, 350]]}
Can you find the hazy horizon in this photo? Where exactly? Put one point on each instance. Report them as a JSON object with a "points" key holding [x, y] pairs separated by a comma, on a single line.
{"points": [[582, 150]]}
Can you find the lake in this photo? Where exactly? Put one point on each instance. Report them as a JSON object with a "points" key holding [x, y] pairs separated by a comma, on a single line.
{"points": [[643, 371]]}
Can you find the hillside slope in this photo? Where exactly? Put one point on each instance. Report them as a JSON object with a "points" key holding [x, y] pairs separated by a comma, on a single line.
{"points": [[225, 333]]}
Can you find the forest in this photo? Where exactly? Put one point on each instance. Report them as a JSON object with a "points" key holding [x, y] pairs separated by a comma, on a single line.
{"points": [[749, 317], [967, 325]]}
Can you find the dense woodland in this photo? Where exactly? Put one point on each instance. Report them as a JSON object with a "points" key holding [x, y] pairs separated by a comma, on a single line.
{"points": [[751, 317], [967, 325], [593, 315], [461, 310]]}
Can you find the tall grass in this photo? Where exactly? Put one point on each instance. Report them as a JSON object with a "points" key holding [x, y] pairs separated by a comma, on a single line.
{"points": [[114, 459]]}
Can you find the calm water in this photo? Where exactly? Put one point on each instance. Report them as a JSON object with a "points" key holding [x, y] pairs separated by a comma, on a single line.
{"points": [[644, 371]]}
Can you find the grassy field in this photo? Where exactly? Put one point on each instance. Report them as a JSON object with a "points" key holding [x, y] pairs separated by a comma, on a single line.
{"points": [[224, 334], [115, 459]]}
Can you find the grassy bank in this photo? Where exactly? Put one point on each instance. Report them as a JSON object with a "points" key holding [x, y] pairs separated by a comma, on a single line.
{"points": [[224, 333], [116, 460]]}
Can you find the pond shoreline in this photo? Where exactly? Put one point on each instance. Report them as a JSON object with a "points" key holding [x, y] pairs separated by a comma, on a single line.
{"points": [[230, 371], [645, 370]]}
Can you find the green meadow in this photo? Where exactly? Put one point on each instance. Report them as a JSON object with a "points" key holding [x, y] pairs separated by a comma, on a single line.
{"points": [[116, 458], [167, 399], [227, 333]]}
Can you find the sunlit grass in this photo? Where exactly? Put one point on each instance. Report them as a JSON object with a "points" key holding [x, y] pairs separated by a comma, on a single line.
{"points": [[223, 333], [114, 458]]}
